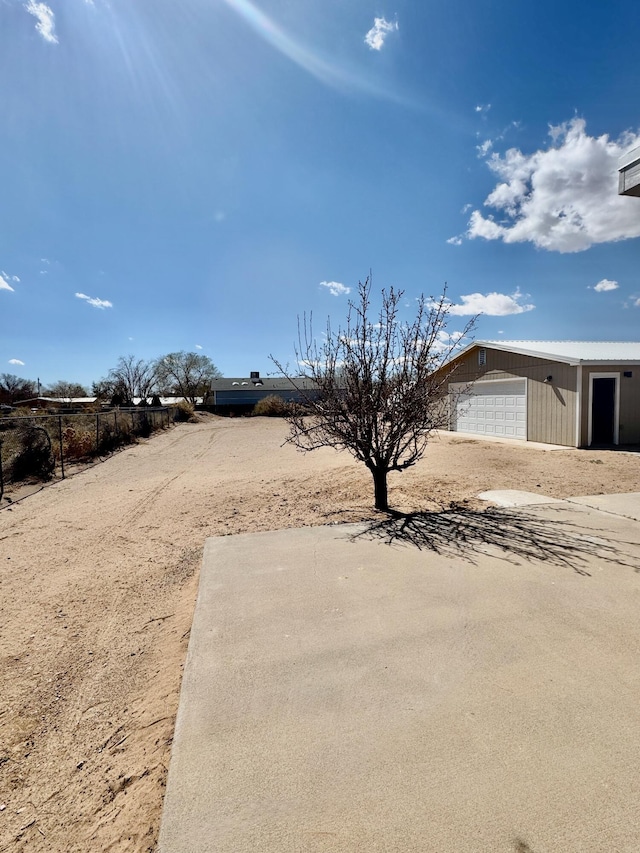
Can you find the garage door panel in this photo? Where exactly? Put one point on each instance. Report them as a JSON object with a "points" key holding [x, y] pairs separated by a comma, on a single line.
{"points": [[486, 409]]}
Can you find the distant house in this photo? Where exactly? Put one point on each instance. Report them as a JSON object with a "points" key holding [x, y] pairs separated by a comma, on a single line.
{"points": [[166, 401], [574, 393], [629, 173], [57, 403], [240, 395]]}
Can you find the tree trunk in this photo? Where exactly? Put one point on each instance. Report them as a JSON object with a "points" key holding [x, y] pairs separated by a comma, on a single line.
{"points": [[380, 488]]}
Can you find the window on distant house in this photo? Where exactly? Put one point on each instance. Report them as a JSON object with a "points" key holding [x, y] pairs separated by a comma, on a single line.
{"points": [[482, 357]]}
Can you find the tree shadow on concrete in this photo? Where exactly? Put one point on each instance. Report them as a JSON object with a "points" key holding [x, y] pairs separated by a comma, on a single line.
{"points": [[505, 534]]}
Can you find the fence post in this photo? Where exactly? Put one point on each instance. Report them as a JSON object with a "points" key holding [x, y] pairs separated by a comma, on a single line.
{"points": [[97, 432], [115, 421], [1, 473], [61, 450]]}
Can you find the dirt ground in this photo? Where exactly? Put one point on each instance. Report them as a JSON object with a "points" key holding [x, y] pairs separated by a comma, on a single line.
{"points": [[98, 578]]}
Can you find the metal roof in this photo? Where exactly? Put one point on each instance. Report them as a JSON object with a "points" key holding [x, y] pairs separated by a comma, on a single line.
{"points": [[264, 384], [572, 352]]}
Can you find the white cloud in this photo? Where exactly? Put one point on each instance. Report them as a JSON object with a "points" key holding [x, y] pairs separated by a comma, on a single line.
{"points": [[4, 284], [605, 284], [8, 277], [379, 31], [46, 25], [335, 288], [482, 108], [492, 304], [198, 346], [322, 67], [93, 300], [455, 241], [563, 198], [484, 149], [16, 361], [448, 341]]}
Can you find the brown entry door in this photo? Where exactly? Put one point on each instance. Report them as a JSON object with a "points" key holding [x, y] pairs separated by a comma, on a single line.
{"points": [[603, 411]]}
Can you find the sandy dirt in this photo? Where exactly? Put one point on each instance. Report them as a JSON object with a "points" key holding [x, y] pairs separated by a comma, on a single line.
{"points": [[98, 578]]}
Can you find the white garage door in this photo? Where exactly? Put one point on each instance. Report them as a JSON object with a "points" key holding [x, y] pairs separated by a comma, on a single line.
{"points": [[492, 408]]}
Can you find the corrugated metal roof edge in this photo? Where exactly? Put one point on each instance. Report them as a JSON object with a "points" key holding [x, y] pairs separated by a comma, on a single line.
{"points": [[511, 346]]}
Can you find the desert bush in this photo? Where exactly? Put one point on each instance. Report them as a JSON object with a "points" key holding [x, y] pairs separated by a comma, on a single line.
{"points": [[77, 443], [183, 412], [272, 407], [108, 438], [34, 457]]}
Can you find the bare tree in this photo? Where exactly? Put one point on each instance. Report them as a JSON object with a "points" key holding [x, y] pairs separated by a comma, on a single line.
{"points": [[130, 378], [382, 383], [185, 374], [14, 388], [66, 390]]}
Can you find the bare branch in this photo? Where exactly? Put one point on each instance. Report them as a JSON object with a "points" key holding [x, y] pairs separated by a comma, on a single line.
{"points": [[376, 389]]}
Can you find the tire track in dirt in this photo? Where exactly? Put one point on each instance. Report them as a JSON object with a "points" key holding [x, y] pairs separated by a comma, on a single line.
{"points": [[145, 504]]}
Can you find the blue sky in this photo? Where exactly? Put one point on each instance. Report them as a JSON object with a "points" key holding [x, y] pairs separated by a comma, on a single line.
{"points": [[195, 175]]}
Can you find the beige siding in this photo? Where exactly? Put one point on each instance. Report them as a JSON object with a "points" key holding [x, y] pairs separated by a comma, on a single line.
{"points": [[551, 407], [629, 401]]}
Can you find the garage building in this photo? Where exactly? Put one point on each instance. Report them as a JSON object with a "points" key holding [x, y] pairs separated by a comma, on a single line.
{"points": [[574, 393]]}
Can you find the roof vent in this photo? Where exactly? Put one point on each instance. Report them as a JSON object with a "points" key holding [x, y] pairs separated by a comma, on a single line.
{"points": [[482, 357], [255, 374]]}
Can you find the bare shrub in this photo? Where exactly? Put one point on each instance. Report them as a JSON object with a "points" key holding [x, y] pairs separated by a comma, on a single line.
{"points": [[34, 457], [77, 443], [184, 412], [272, 406]]}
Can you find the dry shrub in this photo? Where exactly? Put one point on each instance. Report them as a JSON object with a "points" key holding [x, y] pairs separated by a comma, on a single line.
{"points": [[34, 457], [77, 443], [184, 411], [272, 406]]}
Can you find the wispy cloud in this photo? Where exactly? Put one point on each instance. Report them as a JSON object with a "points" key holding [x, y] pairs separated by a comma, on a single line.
{"points": [[484, 148], [16, 361], [198, 346], [483, 109], [455, 241], [491, 304], [4, 284], [606, 284], [381, 28], [46, 22], [563, 198], [335, 288], [324, 69], [93, 300]]}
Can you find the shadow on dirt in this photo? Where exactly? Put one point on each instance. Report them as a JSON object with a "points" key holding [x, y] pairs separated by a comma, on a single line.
{"points": [[507, 535]]}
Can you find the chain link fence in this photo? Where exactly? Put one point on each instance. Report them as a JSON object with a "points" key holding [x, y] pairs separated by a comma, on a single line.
{"points": [[37, 447]]}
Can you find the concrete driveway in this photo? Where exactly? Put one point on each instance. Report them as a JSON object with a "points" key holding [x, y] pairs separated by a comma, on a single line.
{"points": [[459, 682]]}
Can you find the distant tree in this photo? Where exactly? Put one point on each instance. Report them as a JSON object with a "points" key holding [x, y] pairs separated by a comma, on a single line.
{"points": [[130, 378], [185, 374], [103, 389], [380, 384], [14, 388], [66, 390]]}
